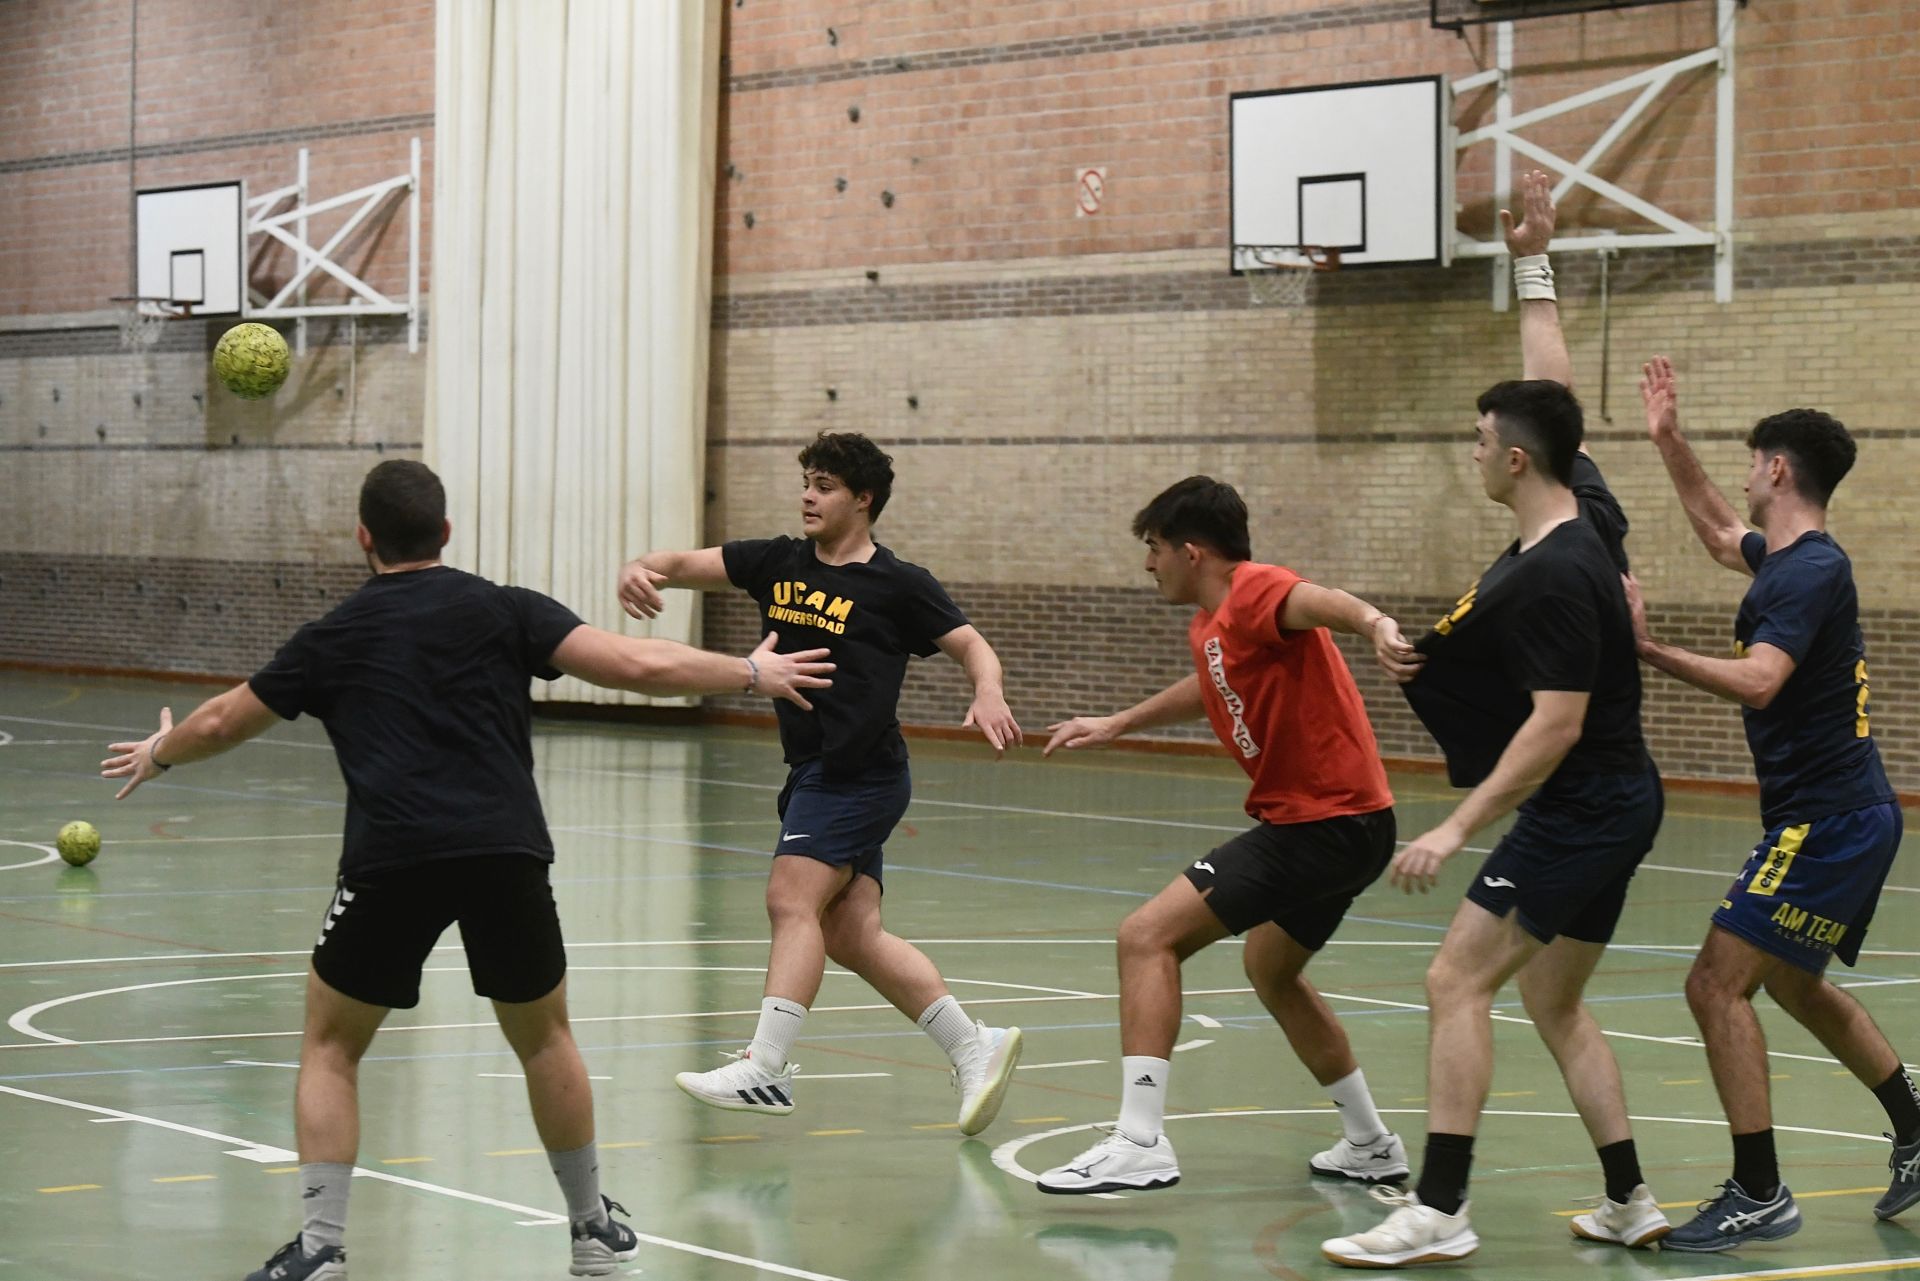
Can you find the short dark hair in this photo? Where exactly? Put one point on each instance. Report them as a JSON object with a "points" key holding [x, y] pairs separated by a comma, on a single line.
{"points": [[404, 506], [856, 461], [1818, 446], [1201, 510], [1540, 416]]}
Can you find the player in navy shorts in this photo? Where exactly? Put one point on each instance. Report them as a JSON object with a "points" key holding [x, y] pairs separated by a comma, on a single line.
{"points": [[1807, 892]]}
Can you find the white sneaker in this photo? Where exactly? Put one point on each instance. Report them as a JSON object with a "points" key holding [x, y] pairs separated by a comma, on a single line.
{"points": [[982, 1080], [1381, 1160], [1636, 1224], [1412, 1234], [1115, 1164], [742, 1086]]}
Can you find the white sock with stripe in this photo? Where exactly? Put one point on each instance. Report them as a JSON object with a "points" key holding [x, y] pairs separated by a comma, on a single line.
{"points": [[779, 1028]]}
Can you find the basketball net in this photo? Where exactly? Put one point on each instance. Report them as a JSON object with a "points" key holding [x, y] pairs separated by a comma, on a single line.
{"points": [[1282, 275], [143, 321]]}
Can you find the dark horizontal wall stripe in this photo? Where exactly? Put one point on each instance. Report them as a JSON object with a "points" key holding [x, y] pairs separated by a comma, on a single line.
{"points": [[1324, 18], [223, 142], [201, 336], [1450, 438], [1787, 265]]}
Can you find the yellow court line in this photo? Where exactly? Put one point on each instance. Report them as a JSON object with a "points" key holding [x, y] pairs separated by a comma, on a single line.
{"points": [[828, 1134], [74, 1187], [630, 1143], [406, 1160], [283, 1169], [521, 1151], [941, 1125], [186, 1178], [731, 1138], [1819, 1270], [1798, 1196], [1243, 1107], [1513, 1094], [1686, 1080], [1036, 1120]]}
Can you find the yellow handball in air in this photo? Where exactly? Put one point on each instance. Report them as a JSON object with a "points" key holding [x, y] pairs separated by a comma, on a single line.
{"points": [[78, 843], [251, 360]]}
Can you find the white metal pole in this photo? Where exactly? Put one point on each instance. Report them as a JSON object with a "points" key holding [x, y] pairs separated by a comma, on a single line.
{"points": [[300, 180], [1723, 158], [413, 254], [1502, 155]]}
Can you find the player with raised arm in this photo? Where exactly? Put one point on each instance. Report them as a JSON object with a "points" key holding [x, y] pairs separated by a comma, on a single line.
{"points": [[1270, 680], [1530, 687], [847, 783], [1833, 823], [420, 678]]}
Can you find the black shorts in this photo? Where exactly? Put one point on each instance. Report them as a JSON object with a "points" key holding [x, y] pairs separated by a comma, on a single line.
{"points": [[1301, 876], [380, 928], [1566, 862], [841, 823]]}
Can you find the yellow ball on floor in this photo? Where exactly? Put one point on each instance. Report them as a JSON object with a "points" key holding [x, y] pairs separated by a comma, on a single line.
{"points": [[78, 843], [251, 360]]}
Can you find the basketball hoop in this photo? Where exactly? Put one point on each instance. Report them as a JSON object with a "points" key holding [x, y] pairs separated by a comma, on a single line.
{"points": [[143, 320], [1280, 275]]}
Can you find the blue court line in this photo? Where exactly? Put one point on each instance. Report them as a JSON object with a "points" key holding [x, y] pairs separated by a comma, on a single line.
{"points": [[72, 895]]}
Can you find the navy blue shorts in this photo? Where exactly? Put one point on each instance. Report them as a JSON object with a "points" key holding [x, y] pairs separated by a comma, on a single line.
{"points": [[1565, 864], [841, 823], [1808, 890]]}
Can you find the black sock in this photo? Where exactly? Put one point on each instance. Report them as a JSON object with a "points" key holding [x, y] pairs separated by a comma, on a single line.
{"points": [[1896, 1095], [1622, 1166], [1755, 1167], [1443, 1172]]}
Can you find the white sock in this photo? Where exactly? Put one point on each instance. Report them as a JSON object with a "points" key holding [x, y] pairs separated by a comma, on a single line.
{"points": [[1143, 1097], [779, 1028], [323, 1198], [950, 1028], [1357, 1115]]}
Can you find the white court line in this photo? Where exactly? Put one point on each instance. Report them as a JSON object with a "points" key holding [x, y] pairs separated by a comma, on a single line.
{"points": [[1035, 1067], [504, 1076], [542, 1217], [1728, 876], [51, 855], [1192, 1045], [838, 1076], [1204, 1021]]}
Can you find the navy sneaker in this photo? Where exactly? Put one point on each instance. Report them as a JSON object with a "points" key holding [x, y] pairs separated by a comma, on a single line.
{"points": [[599, 1249], [292, 1263], [1905, 1188], [1733, 1219]]}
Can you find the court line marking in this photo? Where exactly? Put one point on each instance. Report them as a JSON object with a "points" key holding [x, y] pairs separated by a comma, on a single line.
{"points": [[50, 855], [532, 1214], [1035, 1067], [1819, 1270]]}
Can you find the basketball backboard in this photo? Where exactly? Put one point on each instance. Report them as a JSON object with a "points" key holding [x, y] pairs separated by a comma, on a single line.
{"points": [[1362, 168], [190, 247]]}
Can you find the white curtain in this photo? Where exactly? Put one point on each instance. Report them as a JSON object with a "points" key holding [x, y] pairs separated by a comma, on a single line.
{"points": [[572, 256]]}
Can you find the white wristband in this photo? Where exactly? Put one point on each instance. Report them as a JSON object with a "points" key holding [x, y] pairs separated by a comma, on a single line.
{"points": [[1533, 279]]}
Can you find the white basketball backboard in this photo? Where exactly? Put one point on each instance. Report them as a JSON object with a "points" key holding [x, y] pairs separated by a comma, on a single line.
{"points": [[1362, 168], [190, 247]]}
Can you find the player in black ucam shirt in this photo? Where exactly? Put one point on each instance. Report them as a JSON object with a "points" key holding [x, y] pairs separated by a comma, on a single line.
{"points": [[847, 781], [1808, 890], [1530, 686], [420, 678]]}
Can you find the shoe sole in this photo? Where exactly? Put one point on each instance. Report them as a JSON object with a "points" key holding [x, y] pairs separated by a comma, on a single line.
{"points": [[1111, 1186], [1731, 1243], [732, 1105], [999, 1074], [1644, 1241], [1887, 1210], [605, 1265], [1457, 1247], [1355, 1176]]}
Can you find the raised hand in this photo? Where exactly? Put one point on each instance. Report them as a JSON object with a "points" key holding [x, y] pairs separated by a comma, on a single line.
{"points": [[1660, 394], [1535, 231]]}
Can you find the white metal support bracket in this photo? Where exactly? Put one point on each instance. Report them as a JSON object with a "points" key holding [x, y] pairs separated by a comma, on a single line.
{"points": [[266, 219], [1672, 230]]}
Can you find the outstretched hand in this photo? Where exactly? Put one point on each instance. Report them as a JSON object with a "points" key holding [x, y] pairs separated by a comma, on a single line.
{"points": [[640, 590], [994, 719], [1535, 231], [1660, 394], [1417, 866], [1081, 731], [785, 675], [134, 761]]}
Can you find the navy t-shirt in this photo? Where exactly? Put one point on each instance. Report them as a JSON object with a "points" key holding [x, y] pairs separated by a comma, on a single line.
{"points": [[1812, 749], [421, 681], [874, 616]]}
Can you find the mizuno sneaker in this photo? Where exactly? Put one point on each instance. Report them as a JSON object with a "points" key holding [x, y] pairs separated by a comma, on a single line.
{"points": [[1636, 1224], [1412, 1234], [599, 1251], [1905, 1188], [1732, 1219], [982, 1080], [291, 1263], [742, 1086], [1115, 1164], [1381, 1160]]}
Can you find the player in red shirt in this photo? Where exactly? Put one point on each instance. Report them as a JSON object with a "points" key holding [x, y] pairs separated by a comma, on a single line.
{"points": [[1272, 682]]}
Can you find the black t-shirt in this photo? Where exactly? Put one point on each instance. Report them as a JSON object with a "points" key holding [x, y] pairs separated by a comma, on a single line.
{"points": [[421, 680], [1601, 509], [873, 616], [1812, 749], [1553, 617]]}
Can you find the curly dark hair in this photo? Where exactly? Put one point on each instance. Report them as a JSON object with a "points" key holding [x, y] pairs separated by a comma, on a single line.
{"points": [[1200, 510], [1818, 447], [856, 462], [404, 506]]}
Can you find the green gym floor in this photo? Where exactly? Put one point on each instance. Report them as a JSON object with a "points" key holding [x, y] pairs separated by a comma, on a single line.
{"points": [[153, 1007]]}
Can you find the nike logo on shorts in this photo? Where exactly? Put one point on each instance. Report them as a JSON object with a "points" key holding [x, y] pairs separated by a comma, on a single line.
{"points": [[1205, 867], [1497, 883], [794, 836]]}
